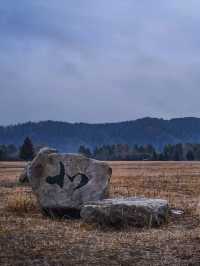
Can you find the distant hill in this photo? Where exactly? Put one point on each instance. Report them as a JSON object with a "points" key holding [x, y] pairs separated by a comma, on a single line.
{"points": [[67, 137]]}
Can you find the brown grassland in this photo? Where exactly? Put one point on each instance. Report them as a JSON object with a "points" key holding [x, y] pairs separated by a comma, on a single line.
{"points": [[28, 238]]}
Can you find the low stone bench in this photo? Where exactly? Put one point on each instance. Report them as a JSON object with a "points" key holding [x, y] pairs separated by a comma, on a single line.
{"points": [[132, 211]]}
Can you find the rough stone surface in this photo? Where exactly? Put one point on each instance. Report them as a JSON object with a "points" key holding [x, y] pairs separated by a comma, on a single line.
{"points": [[64, 182], [23, 178], [126, 211]]}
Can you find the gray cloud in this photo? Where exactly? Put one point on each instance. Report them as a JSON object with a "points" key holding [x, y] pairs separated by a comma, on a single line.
{"points": [[98, 61]]}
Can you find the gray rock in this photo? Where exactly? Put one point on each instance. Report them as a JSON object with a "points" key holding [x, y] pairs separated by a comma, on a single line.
{"points": [[23, 178], [126, 211], [64, 182], [176, 212]]}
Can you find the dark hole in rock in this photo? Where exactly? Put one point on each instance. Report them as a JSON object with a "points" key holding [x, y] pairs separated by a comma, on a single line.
{"points": [[37, 171], [66, 213]]}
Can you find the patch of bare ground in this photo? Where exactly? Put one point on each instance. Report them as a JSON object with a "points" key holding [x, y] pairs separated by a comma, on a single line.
{"points": [[28, 238]]}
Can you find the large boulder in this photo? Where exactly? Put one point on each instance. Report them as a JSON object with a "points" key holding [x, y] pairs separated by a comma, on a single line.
{"points": [[64, 182], [132, 211]]}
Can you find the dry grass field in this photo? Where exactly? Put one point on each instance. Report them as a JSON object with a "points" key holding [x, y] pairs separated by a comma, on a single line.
{"points": [[28, 238]]}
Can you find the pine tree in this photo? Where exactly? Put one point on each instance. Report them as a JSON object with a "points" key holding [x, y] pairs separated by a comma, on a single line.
{"points": [[190, 156], [154, 156], [84, 151], [27, 150]]}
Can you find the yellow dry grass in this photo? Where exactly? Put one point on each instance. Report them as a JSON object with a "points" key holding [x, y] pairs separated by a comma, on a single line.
{"points": [[28, 238], [21, 203]]}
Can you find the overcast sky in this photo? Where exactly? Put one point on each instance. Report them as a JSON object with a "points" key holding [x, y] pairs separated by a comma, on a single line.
{"points": [[99, 60]]}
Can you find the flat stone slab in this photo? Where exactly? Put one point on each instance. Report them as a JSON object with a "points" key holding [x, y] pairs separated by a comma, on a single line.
{"points": [[132, 211]]}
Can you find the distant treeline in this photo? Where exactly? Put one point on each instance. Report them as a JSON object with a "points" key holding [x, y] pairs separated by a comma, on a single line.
{"points": [[117, 152], [11, 153], [122, 152]]}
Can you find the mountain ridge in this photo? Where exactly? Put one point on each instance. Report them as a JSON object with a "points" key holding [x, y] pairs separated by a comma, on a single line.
{"points": [[67, 137]]}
